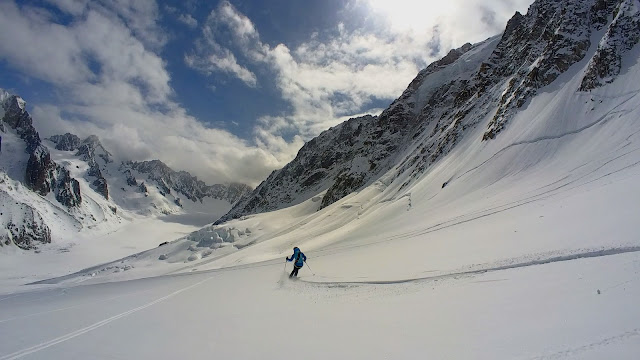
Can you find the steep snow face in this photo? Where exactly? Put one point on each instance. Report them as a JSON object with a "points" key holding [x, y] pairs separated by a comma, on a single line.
{"points": [[482, 85]]}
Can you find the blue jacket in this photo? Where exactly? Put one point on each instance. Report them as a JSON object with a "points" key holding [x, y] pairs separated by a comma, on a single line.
{"points": [[298, 256]]}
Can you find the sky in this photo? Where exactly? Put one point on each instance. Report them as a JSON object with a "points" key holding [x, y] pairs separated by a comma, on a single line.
{"points": [[227, 90]]}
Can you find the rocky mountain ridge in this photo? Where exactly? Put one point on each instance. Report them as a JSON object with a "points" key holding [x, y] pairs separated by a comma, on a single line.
{"points": [[29, 175], [490, 80], [24, 226], [182, 182]]}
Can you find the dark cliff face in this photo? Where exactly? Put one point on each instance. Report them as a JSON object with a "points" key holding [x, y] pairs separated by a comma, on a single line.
{"points": [[66, 142], [538, 48], [42, 174], [17, 118], [494, 78], [621, 36], [183, 183], [40, 171], [91, 151]]}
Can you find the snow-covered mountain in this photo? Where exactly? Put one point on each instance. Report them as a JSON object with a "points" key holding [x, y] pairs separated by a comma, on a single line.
{"points": [[505, 225], [29, 176], [55, 187], [517, 119], [182, 183], [453, 96]]}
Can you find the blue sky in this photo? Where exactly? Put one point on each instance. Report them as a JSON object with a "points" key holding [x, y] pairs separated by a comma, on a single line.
{"points": [[228, 90]]}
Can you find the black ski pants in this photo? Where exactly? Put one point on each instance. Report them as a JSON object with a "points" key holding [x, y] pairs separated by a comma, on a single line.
{"points": [[294, 272]]}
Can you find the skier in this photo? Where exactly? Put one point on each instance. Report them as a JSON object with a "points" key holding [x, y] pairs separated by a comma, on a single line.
{"points": [[299, 258]]}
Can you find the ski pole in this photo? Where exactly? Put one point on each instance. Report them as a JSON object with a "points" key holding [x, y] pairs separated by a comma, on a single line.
{"points": [[285, 265], [314, 274]]}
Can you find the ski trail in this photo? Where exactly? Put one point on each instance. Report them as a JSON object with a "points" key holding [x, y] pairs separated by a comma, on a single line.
{"points": [[72, 307], [582, 255], [21, 353], [592, 346], [9, 297]]}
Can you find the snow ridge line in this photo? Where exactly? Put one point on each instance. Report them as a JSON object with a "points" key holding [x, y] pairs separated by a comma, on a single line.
{"points": [[582, 255], [20, 353]]}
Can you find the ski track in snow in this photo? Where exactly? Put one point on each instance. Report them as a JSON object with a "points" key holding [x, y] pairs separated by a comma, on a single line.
{"points": [[69, 307], [30, 350], [603, 119], [626, 336], [581, 255]]}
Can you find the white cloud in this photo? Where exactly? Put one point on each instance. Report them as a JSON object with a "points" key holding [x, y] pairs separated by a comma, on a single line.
{"points": [[112, 83], [342, 71], [222, 61], [188, 20], [210, 56], [75, 7]]}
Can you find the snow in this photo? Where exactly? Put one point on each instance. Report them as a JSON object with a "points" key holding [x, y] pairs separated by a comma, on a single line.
{"points": [[531, 251], [92, 233], [539, 312]]}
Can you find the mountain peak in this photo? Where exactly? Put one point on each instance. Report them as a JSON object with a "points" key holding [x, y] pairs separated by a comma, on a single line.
{"points": [[184, 183], [489, 80]]}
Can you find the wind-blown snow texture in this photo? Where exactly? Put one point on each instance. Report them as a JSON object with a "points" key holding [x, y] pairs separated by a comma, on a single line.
{"points": [[523, 245]]}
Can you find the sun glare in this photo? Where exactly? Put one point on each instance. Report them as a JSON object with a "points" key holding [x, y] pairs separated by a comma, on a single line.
{"points": [[416, 15]]}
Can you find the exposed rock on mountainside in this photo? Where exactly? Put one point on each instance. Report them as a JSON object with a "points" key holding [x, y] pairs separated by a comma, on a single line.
{"points": [[24, 225], [89, 150], [42, 174], [66, 142], [491, 79], [181, 182], [41, 198], [622, 36], [167, 181]]}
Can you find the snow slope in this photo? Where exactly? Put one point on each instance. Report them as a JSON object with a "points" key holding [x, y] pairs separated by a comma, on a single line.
{"points": [[522, 247], [547, 183], [550, 311], [529, 252]]}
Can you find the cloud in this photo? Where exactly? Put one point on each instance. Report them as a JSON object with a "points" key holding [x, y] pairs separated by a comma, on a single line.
{"points": [[221, 61], [323, 80], [105, 65], [75, 7], [210, 56], [111, 82], [188, 20], [342, 71]]}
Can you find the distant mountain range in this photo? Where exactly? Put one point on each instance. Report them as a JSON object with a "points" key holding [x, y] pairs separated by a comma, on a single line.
{"points": [[67, 182]]}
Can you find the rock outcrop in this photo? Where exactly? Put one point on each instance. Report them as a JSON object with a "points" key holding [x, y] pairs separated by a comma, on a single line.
{"points": [[181, 183], [42, 174], [24, 226]]}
